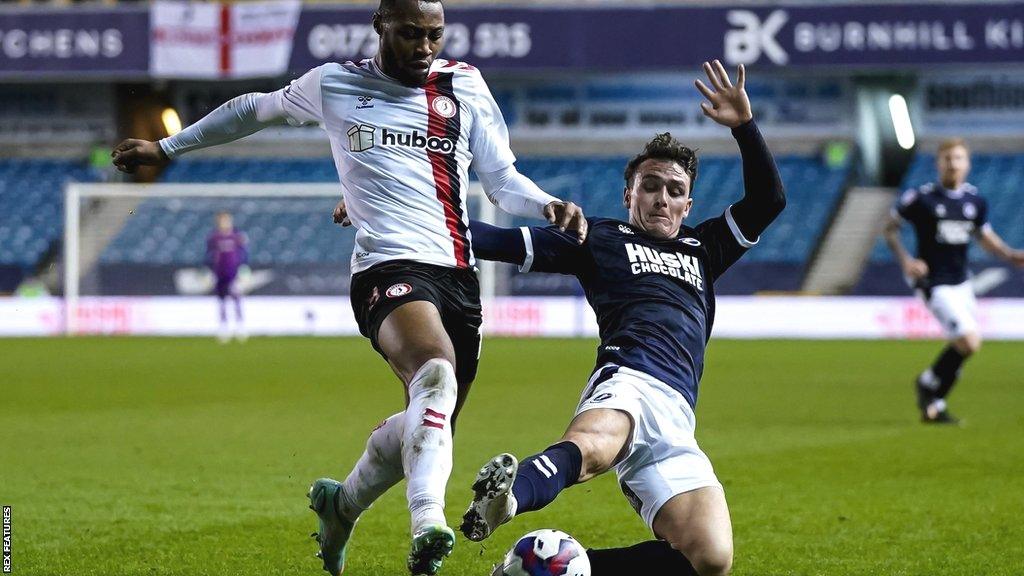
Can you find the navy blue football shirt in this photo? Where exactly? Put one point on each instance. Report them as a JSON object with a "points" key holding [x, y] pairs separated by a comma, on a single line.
{"points": [[944, 222], [654, 298]]}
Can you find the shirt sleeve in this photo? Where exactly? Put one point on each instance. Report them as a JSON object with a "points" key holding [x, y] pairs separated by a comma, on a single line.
{"points": [[515, 193], [723, 241], [296, 104], [488, 138], [300, 103], [904, 207], [549, 249], [981, 220]]}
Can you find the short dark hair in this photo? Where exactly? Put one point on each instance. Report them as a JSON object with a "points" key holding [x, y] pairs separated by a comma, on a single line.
{"points": [[665, 147], [386, 7]]}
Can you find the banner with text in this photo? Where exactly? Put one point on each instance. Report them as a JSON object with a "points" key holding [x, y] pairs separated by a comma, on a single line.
{"points": [[111, 42], [668, 37]]}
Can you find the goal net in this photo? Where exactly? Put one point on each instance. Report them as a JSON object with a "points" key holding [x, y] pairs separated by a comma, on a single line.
{"points": [[136, 258]]}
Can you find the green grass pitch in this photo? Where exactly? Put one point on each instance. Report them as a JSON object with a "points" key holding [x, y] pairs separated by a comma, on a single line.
{"points": [[183, 457]]}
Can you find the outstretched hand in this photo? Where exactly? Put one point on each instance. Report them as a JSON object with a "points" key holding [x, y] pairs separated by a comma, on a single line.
{"points": [[727, 105], [132, 153], [567, 216]]}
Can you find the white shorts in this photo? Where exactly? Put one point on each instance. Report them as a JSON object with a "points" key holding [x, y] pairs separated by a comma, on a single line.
{"points": [[663, 458], [955, 307]]}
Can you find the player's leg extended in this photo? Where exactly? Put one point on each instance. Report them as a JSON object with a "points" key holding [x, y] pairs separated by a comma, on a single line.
{"points": [[223, 331], [236, 299], [339, 504], [595, 440], [696, 539], [954, 308], [420, 351]]}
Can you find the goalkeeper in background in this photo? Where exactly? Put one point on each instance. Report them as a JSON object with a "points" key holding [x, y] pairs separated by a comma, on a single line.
{"points": [[226, 252]]}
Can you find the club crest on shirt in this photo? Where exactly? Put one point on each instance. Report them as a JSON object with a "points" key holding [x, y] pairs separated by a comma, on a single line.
{"points": [[398, 290], [970, 212], [940, 211], [690, 241], [444, 107]]}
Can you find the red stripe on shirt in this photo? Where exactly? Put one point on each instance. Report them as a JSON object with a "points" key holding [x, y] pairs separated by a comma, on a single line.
{"points": [[442, 165]]}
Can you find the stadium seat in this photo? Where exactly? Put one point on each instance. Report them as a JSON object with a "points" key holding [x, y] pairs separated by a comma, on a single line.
{"points": [[32, 205]]}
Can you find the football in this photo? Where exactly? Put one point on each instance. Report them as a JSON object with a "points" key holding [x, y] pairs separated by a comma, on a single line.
{"points": [[545, 553]]}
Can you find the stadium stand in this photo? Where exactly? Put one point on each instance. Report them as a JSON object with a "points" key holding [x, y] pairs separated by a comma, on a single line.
{"points": [[290, 231], [31, 211]]}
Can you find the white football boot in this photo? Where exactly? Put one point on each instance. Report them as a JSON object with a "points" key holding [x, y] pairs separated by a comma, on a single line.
{"points": [[493, 502]]}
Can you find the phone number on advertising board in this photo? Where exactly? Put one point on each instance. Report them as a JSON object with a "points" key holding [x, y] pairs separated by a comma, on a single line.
{"points": [[485, 40]]}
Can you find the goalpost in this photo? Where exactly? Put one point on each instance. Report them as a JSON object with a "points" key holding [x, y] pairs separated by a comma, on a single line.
{"points": [[95, 215]]}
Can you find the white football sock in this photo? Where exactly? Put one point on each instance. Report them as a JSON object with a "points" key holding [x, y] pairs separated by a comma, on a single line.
{"points": [[378, 469], [427, 442]]}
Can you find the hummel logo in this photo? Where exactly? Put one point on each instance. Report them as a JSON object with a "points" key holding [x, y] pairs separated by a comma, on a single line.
{"points": [[364, 102], [625, 229]]}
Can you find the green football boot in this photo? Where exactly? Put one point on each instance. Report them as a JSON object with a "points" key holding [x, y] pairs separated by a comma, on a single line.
{"points": [[429, 548], [335, 530]]}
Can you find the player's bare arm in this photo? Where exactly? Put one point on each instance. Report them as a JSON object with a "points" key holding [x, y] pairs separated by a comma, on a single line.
{"points": [[913, 268], [995, 245]]}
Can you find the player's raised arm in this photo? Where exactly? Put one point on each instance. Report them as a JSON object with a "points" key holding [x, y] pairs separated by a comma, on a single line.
{"points": [[296, 104], [764, 195]]}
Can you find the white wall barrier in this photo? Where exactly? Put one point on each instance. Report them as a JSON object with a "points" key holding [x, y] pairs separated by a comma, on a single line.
{"points": [[738, 317]]}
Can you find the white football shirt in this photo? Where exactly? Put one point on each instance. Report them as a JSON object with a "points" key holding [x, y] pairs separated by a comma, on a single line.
{"points": [[403, 154]]}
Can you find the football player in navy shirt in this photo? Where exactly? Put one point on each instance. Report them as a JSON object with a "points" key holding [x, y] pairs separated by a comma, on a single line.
{"points": [[945, 216], [651, 282]]}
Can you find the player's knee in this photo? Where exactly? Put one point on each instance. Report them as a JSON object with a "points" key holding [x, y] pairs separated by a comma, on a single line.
{"points": [[596, 459], [968, 344], [709, 558], [715, 560]]}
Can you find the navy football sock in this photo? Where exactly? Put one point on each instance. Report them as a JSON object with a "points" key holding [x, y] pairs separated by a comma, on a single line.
{"points": [[542, 476], [947, 369], [654, 557]]}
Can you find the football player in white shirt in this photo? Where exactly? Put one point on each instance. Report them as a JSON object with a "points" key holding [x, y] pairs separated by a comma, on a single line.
{"points": [[404, 129]]}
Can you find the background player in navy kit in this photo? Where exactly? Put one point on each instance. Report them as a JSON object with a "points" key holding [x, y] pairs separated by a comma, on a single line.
{"points": [[945, 216], [226, 252], [651, 283]]}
